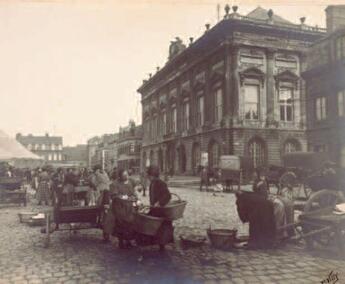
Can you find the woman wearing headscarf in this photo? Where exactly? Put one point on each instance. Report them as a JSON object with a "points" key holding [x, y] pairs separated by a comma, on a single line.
{"points": [[121, 190]]}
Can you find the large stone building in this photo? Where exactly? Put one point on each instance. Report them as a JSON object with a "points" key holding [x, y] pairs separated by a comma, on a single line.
{"points": [[129, 147], [47, 147], [236, 90], [325, 80]]}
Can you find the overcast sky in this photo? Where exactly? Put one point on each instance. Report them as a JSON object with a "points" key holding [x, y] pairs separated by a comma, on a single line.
{"points": [[72, 68]]}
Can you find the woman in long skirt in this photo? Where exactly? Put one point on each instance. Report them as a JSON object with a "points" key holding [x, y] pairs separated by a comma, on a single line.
{"points": [[43, 191]]}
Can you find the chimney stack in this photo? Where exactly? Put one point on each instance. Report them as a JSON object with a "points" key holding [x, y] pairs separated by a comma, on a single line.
{"points": [[335, 17]]}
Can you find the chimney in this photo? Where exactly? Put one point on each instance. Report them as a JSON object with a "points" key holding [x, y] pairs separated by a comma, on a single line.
{"points": [[335, 17]]}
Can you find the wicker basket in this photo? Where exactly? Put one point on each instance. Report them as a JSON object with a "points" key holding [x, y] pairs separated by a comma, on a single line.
{"points": [[146, 224], [222, 238], [172, 211]]}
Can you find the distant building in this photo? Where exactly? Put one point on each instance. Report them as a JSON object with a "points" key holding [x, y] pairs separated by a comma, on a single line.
{"points": [[47, 147], [236, 90], [92, 145], [129, 147], [325, 78], [76, 155], [103, 151]]}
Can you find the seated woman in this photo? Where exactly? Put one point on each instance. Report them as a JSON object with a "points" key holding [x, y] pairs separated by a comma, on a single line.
{"points": [[265, 213], [122, 188]]}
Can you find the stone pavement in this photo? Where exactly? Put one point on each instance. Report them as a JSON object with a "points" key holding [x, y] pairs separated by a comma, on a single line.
{"points": [[83, 258]]}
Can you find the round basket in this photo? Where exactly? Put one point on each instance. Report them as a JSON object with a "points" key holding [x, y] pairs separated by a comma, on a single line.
{"points": [[222, 238], [147, 225], [172, 211]]}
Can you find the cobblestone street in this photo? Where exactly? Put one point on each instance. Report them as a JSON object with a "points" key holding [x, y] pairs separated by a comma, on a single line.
{"points": [[83, 258]]}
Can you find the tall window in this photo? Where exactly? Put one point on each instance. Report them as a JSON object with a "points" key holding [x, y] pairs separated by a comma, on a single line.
{"points": [[185, 116], [257, 152], [320, 108], [213, 155], [174, 120], [286, 104], [340, 47], [218, 112], [251, 102], [164, 123], [341, 103], [200, 111], [342, 156]]}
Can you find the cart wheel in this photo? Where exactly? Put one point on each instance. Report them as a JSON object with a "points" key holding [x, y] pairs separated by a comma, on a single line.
{"points": [[319, 200]]}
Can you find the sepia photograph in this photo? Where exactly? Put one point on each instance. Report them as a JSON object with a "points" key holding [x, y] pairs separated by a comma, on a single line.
{"points": [[172, 141]]}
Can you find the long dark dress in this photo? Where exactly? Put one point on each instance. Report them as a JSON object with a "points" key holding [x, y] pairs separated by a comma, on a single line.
{"points": [[159, 193]]}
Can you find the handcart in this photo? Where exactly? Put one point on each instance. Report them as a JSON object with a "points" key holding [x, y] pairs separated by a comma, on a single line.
{"points": [[147, 225]]}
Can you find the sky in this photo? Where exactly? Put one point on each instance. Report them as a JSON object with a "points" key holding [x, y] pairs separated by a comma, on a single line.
{"points": [[72, 68]]}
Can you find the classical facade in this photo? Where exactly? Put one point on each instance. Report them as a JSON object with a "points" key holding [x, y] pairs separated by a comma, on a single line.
{"points": [[326, 89], [129, 147], [235, 90], [47, 147]]}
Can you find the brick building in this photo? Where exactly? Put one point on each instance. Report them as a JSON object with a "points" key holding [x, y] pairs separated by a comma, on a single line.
{"points": [[235, 90], [47, 147], [326, 89], [129, 147]]}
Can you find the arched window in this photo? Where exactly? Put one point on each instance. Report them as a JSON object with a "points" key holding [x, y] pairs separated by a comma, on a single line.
{"points": [[292, 146], [196, 156], [182, 158], [257, 152], [213, 154], [342, 156], [144, 162], [152, 158]]}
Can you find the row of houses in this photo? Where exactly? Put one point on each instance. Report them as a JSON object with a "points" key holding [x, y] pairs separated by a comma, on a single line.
{"points": [[119, 150], [253, 85], [52, 151]]}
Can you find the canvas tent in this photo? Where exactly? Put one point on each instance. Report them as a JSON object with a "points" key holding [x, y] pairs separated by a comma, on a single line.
{"points": [[14, 152]]}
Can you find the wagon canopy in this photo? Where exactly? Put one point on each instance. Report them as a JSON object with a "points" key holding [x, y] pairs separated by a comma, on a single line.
{"points": [[305, 160], [11, 149]]}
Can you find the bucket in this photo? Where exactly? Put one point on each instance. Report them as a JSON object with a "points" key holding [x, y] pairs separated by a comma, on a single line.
{"points": [[222, 238]]}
